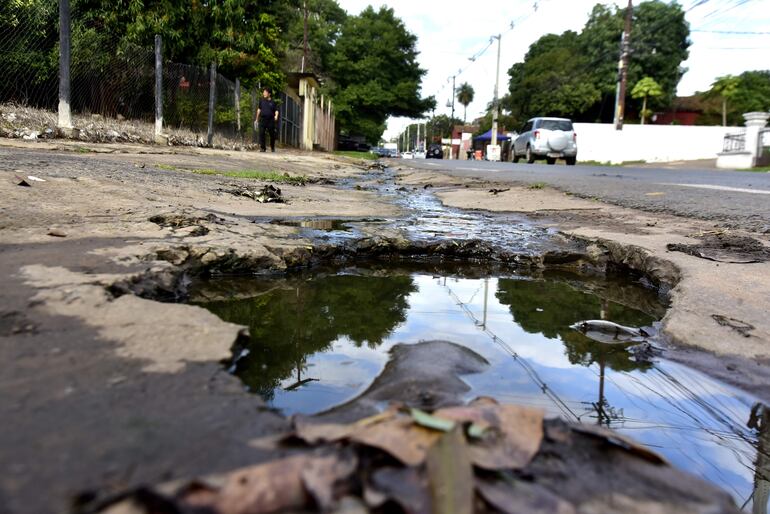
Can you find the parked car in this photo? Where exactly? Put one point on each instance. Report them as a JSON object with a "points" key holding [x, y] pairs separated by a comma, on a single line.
{"points": [[435, 152], [407, 155], [393, 154], [546, 138], [380, 152], [420, 155]]}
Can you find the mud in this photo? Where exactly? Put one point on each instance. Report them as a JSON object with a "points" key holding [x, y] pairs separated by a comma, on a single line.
{"points": [[724, 247]]}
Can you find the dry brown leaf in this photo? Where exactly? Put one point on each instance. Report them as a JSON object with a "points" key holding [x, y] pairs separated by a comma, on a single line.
{"points": [[513, 437], [403, 486], [317, 433], [621, 441], [257, 489], [521, 498], [323, 477], [450, 474], [399, 437]]}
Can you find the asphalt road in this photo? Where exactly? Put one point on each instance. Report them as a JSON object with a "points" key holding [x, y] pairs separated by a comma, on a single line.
{"points": [[734, 199]]}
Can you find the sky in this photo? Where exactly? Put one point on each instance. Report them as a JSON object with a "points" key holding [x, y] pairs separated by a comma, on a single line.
{"points": [[451, 31]]}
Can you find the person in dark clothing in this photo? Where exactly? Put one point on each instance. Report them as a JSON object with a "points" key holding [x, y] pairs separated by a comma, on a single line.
{"points": [[267, 114]]}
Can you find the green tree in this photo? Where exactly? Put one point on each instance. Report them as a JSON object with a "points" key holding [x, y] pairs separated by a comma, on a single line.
{"points": [[375, 73], [659, 44], [725, 87], [441, 126], [28, 56], [647, 87], [324, 21], [553, 80], [465, 94], [244, 37]]}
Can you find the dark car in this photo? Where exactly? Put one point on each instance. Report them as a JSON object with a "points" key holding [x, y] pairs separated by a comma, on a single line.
{"points": [[435, 152]]}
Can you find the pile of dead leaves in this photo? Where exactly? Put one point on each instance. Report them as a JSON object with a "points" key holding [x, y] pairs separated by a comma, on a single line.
{"points": [[456, 460], [402, 459]]}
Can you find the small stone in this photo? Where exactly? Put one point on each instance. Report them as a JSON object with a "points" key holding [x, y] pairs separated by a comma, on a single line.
{"points": [[56, 233]]}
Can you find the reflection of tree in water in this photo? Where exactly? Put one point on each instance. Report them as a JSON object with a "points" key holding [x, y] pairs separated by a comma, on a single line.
{"points": [[305, 317], [549, 307]]}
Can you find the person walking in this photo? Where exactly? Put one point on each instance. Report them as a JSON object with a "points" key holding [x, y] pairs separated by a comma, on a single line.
{"points": [[267, 114]]}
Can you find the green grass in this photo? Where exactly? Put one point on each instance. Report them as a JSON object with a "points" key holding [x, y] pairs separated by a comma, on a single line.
{"points": [[84, 149], [358, 155], [264, 176], [536, 185]]}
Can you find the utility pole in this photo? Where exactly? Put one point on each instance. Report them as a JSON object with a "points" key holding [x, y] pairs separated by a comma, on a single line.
{"points": [[408, 138], [495, 113], [304, 40], [453, 99], [625, 46]]}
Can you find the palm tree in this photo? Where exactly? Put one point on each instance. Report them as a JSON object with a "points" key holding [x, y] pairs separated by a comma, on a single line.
{"points": [[647, 87], [726, 87], [465, 95]]}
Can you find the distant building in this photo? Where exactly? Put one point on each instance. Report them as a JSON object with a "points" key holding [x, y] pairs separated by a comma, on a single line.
{"points": [[686, 110]]}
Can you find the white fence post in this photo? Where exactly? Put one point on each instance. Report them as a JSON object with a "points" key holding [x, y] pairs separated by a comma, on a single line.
{"points": [[212, 102], [238, 105], [158, 88], [65, 113]]}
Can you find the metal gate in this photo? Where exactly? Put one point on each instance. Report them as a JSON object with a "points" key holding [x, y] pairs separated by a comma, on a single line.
{"points": [[763, 147], [290, 120]]}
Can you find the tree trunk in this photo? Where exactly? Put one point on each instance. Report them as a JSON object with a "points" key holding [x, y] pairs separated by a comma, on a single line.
{"points": [[644, 108], [724, 112], [465, 114]]}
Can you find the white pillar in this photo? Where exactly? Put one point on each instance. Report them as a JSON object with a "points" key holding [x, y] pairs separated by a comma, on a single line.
{"points": [[755, 121]]}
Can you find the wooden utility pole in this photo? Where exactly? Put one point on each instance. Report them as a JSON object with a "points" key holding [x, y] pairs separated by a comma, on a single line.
{"points": [[620, 99], [451, 122]]}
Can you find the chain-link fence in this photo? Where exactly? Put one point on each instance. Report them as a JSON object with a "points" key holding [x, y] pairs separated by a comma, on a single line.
{"points": [[112, 84]]}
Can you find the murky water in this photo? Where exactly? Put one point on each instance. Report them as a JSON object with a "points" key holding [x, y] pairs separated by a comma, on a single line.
{"points": [[320, 339]]}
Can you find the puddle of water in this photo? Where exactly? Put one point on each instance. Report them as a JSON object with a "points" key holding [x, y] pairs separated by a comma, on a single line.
{"points": [[316, 224], [320, 339]]}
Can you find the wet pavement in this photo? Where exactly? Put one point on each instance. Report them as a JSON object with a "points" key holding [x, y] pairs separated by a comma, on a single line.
{"points": [[318, 340]]}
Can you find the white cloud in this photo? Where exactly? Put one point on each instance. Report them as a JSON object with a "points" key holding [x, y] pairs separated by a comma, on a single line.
{"points": [[450, 31]]}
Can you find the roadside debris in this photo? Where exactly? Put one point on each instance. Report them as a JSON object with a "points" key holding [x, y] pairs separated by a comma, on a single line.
{"points": [[265, 194], [739, 326], [481, 457], [54, 232], [608, 332], [498, 191], [20, 181], [725, 247]]}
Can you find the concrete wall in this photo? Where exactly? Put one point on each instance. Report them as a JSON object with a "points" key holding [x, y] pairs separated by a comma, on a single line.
{"points": [[651, 143]]}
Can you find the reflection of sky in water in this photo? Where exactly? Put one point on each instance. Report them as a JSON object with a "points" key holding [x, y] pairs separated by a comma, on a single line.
{"points": [[695, 422]]}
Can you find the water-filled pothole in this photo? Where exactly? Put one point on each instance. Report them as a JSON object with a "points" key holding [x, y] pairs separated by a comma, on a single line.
{"points": [[320, 339]]}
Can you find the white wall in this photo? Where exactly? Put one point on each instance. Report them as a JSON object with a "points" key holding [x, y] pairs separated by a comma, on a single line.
{"points": [[652, 143]]}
